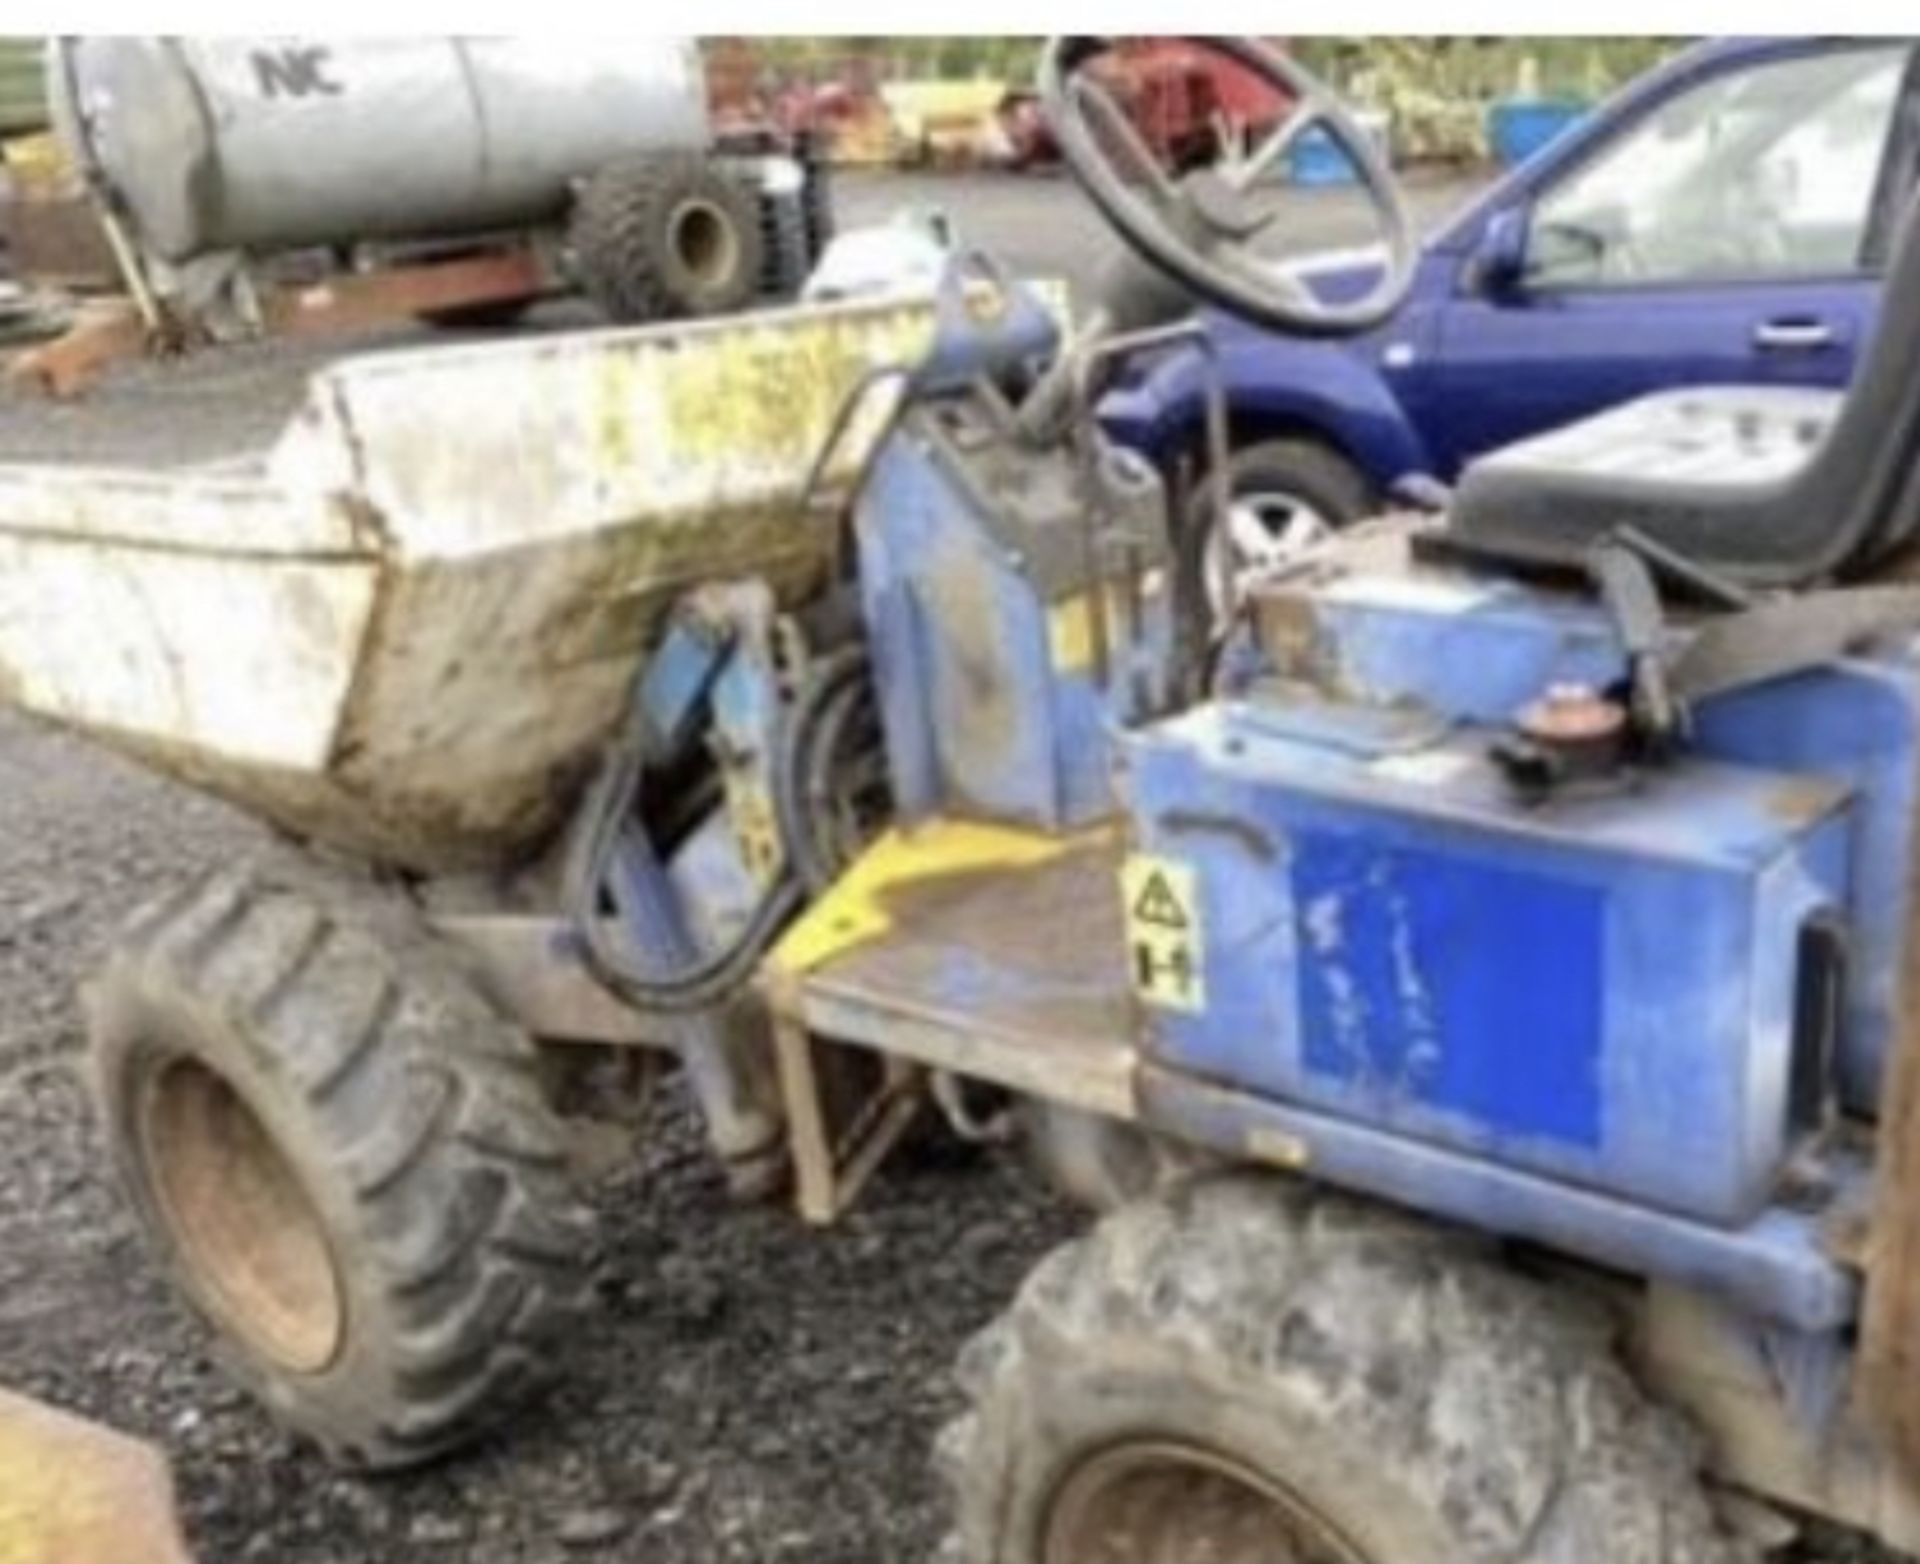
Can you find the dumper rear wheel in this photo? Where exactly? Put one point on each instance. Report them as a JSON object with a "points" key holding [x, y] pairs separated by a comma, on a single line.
{"points": [[341, 1153], [666, 237], [1245, 1372]]}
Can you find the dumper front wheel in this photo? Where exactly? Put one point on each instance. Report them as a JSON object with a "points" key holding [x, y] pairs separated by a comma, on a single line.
{"points": [[1244, 1372], [340, 1151]]}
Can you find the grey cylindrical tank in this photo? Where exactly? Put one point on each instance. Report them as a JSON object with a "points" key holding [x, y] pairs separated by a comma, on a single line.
{"points": [[235, 143]]}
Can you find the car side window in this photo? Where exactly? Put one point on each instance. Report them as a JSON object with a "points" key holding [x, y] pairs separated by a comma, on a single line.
{"points": [[1759, 173]]}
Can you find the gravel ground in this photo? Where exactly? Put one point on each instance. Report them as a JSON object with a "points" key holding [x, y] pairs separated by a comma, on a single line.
{"points": [[750, 1390]]}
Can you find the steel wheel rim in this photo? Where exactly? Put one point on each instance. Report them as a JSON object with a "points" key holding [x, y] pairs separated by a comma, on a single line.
{"points": [[703, 241], [244, 1224], [1262, 531], [1163, 1501]]}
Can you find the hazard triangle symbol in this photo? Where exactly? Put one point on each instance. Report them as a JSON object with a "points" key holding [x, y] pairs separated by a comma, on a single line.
{"points": [[1157, 904]]}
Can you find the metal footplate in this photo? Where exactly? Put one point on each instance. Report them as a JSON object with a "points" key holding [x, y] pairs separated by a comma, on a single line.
{"points": [[990, 953]]}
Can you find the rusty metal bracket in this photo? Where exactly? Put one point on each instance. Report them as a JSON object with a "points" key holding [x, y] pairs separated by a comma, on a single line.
{"points": [[836, 1147], [114, 330], [354, 302], [102, 334]]}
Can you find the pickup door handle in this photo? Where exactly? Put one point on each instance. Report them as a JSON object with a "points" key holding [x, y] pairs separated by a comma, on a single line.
{"points": [[1792, 336]]}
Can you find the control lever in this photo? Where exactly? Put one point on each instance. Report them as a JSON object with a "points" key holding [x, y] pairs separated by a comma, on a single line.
{"points": [[1626, 584], [1088, 357]]}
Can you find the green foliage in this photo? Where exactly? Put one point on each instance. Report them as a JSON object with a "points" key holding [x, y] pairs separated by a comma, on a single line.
{"points": [[1487, 68], [951, 57], [23, 95], [1478, 68], [1435, 92]]}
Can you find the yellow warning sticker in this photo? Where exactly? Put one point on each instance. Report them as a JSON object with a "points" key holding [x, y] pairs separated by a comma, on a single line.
{"points": [[755, 828], [1166, 947]]}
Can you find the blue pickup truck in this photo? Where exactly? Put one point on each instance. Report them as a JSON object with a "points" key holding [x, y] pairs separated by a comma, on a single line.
{"points": [[1722, 220]]}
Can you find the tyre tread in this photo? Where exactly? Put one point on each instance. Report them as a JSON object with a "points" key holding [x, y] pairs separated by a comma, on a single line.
{"points": [[469, 1228], [1499, 1405], [617, 230]]}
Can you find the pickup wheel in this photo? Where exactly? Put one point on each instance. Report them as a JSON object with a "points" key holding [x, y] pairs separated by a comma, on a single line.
{"points": [[1249, 1371], [1288, 493], [338, 1149]]}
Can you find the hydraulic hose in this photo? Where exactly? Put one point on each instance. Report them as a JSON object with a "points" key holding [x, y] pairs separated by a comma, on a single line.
{"points": [[701, 983], [808, 780], [712, 979]]}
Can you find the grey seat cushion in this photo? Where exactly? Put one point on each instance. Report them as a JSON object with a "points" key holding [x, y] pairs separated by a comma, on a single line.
{"points": [[1648, 464], [1769, 487]]}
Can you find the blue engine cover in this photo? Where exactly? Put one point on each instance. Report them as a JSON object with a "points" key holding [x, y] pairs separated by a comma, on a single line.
{"points": [[1601, 989]]}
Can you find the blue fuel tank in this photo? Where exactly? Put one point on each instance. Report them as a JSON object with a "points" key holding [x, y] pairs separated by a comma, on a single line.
{"points": [[1387, 631], [1632, 990]]}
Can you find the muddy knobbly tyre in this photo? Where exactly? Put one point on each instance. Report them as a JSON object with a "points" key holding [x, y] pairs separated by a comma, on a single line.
{"points": [[339, 1150], [1245, 1370], [668, 236]]}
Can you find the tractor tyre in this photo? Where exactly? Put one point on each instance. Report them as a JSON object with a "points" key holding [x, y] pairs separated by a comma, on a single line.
{"points": [[339, 1150], [1246, 1371], [816, 205], [788, 262], [668, 237]]}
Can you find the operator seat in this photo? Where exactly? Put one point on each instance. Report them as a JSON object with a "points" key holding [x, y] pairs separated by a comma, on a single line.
{"points": [[1769, 487]]}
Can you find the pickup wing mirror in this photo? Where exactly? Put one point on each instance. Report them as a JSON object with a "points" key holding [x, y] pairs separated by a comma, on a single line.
{"points": [[1500, 260]]}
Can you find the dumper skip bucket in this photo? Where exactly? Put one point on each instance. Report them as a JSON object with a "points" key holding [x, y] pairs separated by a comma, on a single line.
{"points": [[407, 627]]}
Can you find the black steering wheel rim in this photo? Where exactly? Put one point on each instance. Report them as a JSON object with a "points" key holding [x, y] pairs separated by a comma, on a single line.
{"points": [[1197, 246]]}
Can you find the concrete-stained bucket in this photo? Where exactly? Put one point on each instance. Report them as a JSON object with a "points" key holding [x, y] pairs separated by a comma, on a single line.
{"points": [[407, 628]]}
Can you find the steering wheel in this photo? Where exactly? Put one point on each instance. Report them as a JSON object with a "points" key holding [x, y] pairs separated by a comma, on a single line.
{"points": [[1198, 229]]}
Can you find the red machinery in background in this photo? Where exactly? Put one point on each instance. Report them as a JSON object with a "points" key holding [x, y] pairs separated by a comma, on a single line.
{"points": [[1184, 99]]}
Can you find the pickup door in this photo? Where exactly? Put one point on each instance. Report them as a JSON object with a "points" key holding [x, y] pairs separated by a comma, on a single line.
{"points": [[1725, 232]]}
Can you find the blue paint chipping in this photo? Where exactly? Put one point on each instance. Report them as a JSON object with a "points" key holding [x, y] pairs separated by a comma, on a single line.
{"points": [[1403, 984]]}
